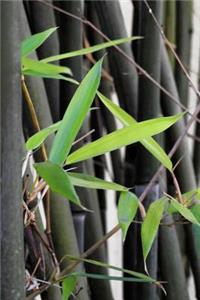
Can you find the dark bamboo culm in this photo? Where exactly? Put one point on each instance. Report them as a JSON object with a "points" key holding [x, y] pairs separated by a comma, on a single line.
{"points": [[71, 38], [112, 24], [186, 180], [102, 119], [183, 46], [148, 107], [63, 233], [40, 18], [12, 255]]}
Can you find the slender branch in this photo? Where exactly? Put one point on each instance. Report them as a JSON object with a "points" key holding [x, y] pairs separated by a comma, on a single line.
{"points": [[29, 102], [44, 154]]}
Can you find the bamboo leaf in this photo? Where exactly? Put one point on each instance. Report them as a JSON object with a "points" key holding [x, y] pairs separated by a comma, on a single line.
{"points": [[149, 143], [33, 42], [38, 138], [68, 286], [39, 67], [184, 211], [53, 76], [58, 180], [107, 277], [88, 181], [90, 49], [127, 208], [151, 224], [189, 198], [195, 209], [122, 137], [75, 114], [104, 265]]}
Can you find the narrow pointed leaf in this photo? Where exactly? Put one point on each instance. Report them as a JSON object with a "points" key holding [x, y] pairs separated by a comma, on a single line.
{"points": [[104, 265], [53, 76], [36, 66], [33, 42], [127, 208], [88, 181], [90, 49], [122, 137], [75, 114], [151, 224], [195, 209], [38, 138], [189, 198], [58, 180], [107, 277], [184, 211], [68, 286], [149, 143]]}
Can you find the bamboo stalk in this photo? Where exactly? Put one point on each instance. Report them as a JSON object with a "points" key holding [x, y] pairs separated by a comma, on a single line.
{"points": [[42, 18], [148, 108], [196, 152], [12, 245], [183, 46], [126, 85], [171, 263], [187, 179], [170, 26], [62, 225], [92, 223]]}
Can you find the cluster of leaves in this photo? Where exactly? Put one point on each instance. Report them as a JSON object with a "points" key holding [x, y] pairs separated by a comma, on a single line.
{"points": [[63, 182]]}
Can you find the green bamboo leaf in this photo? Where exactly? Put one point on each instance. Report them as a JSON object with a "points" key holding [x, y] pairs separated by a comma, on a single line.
{"points": [[38, 138], [33, 42], [184, 211], [149, 143], [88, 181], [58, 180], [122, 137], [127, 208], [75, 114], [53, 76], [90, 49], [107, 277], [151, 224], [42, 68], [68, 286], [104, 265], [189, 198], [195, 209]]}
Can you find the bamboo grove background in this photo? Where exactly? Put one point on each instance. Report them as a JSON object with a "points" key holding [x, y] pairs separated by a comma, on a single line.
{"points": [[165, 91]]}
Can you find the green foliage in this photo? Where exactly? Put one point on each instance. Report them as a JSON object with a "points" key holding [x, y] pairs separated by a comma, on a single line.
{"points": [[68, 286], [63, 182], [75, 114], [33, 42], [88, 181], [37, 139], [184, 211], [151, 224], [144, 277], [90, 49], [58, 180], [149, 143], [127, 208], [42, 68], [122, 137]]}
